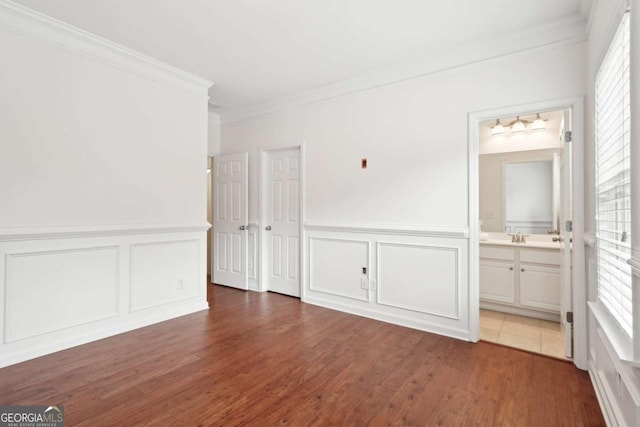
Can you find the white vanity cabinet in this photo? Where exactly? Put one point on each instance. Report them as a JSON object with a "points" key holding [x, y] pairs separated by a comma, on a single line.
{"points": [[497, 274], [497, 280], [520, 280], [540, 279]]}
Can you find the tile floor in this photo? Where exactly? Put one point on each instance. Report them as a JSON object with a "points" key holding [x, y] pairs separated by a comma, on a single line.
{"points": [[526, 333]]}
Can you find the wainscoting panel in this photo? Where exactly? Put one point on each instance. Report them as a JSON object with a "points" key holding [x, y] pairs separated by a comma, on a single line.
{"points": [[418, 277], [176, 280], [615, 384], [58, 292], [415, 276], [53, 290], [336, 267]]}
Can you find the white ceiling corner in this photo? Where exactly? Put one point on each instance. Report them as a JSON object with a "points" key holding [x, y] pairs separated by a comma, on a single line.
{"points": [[270, 55], [586, 11]]}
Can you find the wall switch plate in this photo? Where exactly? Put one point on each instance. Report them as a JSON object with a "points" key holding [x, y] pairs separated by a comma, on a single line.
{"points": [[180, 284], [363, 283]]}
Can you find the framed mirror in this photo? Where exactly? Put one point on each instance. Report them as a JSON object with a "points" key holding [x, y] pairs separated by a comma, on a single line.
{"points": [[520, 191], [528, 197]]}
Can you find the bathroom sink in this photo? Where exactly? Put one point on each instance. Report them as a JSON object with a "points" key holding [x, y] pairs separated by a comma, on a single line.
{"points": [[529, 243]]}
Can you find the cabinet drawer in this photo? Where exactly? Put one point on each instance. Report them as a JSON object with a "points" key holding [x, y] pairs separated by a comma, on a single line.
{"points": [[538, 256], [493, 252]]}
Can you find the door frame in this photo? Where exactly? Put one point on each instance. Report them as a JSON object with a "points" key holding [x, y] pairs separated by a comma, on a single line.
{"points": [[579, 285], [262, 247]]}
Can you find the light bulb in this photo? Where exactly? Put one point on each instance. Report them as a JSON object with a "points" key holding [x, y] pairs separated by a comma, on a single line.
{"points": [[538, 123], [497, 129]]}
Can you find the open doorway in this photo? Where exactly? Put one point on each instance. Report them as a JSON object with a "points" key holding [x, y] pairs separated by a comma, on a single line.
{"points": [[524, 230]]}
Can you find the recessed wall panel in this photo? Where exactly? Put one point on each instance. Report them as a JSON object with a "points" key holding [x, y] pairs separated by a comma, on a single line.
{"points": [[336, 266], [163, 272], [54, 290], [419, 277]]}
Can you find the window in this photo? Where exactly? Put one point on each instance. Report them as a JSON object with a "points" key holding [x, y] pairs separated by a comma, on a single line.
{"points": [[613, 189]]}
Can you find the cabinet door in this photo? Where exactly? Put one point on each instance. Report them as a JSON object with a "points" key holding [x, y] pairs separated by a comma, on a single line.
{"points": [[497, 282], [540, 287]]}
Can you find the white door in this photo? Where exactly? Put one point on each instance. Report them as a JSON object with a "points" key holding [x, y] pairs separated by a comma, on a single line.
{"points": [[566, 216], [282, 226], [230, 220]]}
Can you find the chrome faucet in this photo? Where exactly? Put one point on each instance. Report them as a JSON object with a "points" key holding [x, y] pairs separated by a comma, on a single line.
{"points": [[518, 238]]}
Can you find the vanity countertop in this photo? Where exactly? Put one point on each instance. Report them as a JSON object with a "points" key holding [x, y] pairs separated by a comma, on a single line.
{"points": [[529, 244]]}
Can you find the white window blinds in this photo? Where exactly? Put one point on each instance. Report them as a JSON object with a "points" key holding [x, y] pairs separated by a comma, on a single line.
{"points": [[613, 204]]}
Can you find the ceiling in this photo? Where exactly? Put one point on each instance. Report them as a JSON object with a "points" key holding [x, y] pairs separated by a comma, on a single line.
{"points": [[258, 51]]}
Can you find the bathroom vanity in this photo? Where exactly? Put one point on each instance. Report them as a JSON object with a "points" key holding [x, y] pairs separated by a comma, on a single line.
{"points": [[521, 278]]}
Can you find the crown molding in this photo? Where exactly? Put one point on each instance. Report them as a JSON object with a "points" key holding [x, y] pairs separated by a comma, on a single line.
{"points": [[587, 11], [560, 33], [27, 22], [214, 115]]}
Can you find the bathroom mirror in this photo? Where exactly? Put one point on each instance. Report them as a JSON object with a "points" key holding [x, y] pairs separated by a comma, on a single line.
{"points": [[528, 197], [520, 191]]}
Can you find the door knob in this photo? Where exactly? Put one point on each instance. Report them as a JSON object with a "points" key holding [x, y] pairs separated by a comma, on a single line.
{"points": [[268, 228], [242, 227]]}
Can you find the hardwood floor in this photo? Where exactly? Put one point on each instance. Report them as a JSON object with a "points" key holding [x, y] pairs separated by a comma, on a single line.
{"points": [[267, 359]]}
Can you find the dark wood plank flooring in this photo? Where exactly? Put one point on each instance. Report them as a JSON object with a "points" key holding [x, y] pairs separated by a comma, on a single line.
{"points": [[267, 359]]}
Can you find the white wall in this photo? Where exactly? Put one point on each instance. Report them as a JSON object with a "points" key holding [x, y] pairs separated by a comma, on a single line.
{"points": [[414, 135], [102, 165], [213, 135], [84, 143], [617, 383]]}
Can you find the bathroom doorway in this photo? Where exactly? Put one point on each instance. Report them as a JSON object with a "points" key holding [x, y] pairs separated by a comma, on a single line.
{"points": [[524, 261]]}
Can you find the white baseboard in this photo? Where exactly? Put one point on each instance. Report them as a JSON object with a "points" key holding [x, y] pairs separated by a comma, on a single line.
{"points": [[390, 318], [101, 285], [140, 321]]}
